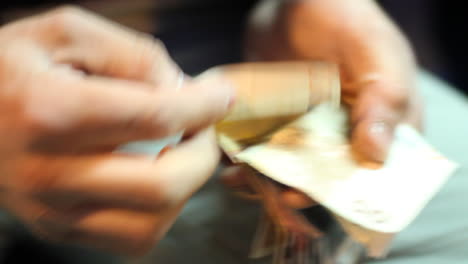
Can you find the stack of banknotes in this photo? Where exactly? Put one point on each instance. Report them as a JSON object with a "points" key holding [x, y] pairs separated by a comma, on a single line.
{"points": [[290, 130]]}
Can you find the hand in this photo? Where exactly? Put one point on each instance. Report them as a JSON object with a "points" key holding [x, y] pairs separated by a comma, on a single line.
{"points": [[73, 87], [377, 65]]}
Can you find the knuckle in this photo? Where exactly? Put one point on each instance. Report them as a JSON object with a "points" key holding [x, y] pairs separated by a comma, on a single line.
{"points": [[64, 18], [395, 95], [398, 99], [67, 13], [154, 58], [155, 48], [37, 121], [35, 178], [42, 112], [154, 122], [163, 121], [157, 63]]}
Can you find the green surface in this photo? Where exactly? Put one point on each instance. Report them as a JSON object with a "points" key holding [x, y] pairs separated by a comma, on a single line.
{"points": [[440, 233]]}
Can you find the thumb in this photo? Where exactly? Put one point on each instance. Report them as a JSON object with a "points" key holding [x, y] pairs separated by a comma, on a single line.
{"points": [[374, 118]]}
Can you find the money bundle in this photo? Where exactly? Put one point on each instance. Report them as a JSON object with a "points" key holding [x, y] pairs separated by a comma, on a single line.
{"points": [[289, 129]]}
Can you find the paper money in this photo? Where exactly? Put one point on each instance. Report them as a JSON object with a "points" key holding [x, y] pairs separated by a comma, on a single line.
{"points": [[313, 155], [288, 126], [272, 94]]}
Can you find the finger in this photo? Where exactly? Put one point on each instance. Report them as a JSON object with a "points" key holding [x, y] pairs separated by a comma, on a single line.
{"points": [[383, 84], [379, 68], [297, 199], [97, 111], [234, 177], [374, 118], [117, 230], [134, 183], [121, 231], [101, 47], [192, 163]]}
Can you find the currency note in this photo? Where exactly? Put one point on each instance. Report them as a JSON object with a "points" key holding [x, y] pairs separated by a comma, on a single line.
{"points": [[313, 155]]}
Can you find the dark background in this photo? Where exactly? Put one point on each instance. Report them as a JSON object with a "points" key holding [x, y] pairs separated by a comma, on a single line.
{"points": [[438, 32], [436, 28]]}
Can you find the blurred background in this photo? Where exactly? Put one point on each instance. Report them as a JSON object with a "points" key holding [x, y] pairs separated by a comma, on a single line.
{"points": [[213, 28]]}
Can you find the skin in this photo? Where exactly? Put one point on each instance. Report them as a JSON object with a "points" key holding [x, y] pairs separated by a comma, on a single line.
{"points": [[73, 87], [378, 69]]}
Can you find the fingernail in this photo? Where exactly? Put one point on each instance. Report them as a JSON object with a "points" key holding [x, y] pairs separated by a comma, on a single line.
{"points": [[220, 87], [381, 135], [226, 89], [231, 98], [378, 128]]}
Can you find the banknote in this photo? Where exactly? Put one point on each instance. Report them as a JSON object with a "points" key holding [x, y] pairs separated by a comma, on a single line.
{"points": [[313, 154], [293, 236], [269, 95]]}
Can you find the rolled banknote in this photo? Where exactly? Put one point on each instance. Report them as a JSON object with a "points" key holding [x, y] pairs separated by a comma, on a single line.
{"points": [[274, 93], [270, 95]]}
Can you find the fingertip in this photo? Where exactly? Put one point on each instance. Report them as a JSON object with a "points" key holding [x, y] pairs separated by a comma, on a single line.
{"points": [[374, 119], [221, 88], [296, 199], [225, 92], [371, 141], [234, 177]]}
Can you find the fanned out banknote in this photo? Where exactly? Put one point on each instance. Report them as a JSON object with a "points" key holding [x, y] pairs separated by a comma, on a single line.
{"points": [[288, 128], [313, 154], [270, 95]]}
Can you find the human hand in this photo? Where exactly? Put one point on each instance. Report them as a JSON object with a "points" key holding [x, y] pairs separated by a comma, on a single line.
{"points": [[378, 69], [74, 87]]}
